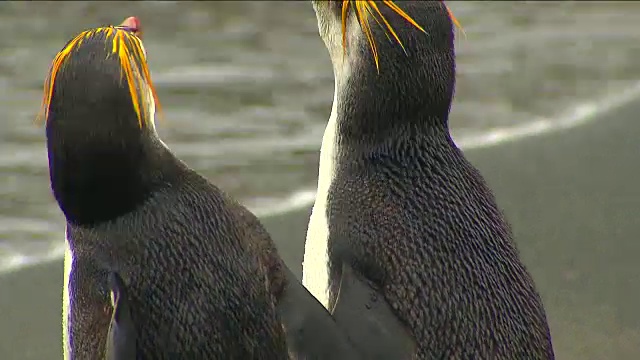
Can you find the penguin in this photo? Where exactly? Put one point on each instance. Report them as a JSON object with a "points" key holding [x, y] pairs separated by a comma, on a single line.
{"points": [[160, 263], [196, 288], [400, 214], [121, 337]]}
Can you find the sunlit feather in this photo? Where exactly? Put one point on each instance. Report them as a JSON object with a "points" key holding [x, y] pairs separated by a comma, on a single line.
{"points": [[133, 67], [366, 9]]}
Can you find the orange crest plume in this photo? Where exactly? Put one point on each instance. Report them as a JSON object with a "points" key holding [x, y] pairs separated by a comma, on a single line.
{"points": [[368, 8], [123, 42]]}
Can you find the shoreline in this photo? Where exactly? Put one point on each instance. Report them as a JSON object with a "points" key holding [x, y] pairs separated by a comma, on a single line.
{"points": [[577, 115], [568, 196]]}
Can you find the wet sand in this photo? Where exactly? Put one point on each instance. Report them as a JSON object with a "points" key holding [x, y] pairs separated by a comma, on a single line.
{"points": [[571, 197]]}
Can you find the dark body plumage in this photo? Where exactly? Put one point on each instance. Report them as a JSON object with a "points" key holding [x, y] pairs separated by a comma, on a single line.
{"points": [[190, 256], [410, 213], [197, 290]]}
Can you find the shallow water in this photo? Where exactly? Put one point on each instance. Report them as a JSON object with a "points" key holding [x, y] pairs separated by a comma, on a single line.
{"points": [[247, 87]]}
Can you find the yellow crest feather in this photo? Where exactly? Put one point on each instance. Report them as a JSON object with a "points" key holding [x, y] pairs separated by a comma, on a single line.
{"points": [[133, 66], [368, 8]]}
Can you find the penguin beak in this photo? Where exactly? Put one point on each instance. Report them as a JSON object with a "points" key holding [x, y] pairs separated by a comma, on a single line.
{"points": [[131, 24]]}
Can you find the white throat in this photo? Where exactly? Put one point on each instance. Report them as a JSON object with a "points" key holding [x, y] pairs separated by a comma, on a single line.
{"points": [[66, 297], [315, 271], [315, 276]]}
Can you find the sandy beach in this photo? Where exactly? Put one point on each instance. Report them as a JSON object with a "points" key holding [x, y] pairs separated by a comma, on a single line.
{"points": [[570, 196]]}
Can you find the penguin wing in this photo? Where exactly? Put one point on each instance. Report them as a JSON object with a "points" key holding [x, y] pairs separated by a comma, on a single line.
{"points": [[366, 317], [121, 339], [311, 331]]}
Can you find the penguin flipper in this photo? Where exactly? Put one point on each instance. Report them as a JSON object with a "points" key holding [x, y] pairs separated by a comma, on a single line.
{"points": [[311, 331], [121, 339], [362, 311]]}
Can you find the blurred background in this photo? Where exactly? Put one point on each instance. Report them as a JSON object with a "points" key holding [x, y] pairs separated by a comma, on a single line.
{"points": [[546, 106]]}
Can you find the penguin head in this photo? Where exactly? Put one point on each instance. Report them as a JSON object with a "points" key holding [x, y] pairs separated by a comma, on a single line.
{"points": [[99, 85], [392, 54], [98, 106]]}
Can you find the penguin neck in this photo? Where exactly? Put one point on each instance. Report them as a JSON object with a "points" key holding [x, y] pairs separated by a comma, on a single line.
{"points": [[99, 173], [388, 111]]}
